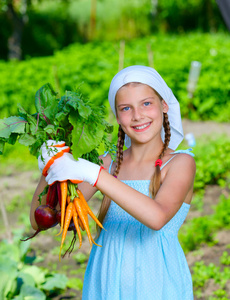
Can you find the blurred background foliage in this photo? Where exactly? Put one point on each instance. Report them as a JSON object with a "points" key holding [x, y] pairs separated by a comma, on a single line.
{"points": [[72, 43], [39, 27]]}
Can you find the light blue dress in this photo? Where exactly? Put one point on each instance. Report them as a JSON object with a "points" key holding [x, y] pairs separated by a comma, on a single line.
{"points": [[136, 262]]}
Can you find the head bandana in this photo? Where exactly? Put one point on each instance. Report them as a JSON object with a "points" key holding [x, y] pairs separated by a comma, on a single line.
{"points": [[152, 78]]}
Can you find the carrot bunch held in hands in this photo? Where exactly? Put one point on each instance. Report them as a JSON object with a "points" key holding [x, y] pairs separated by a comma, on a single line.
{"points": [[72, 216], [75, 208]]}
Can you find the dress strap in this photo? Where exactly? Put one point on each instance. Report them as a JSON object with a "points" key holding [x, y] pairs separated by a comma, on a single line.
{"points": [[166, 162], [110, 166], [187, 151]]}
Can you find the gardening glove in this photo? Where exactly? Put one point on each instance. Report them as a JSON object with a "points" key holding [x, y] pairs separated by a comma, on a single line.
{"points": [[66, 167], [51, 150]]}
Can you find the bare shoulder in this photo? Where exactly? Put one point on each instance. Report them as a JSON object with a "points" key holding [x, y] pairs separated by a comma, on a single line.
{"points": [[177, 180], [183, 164]]}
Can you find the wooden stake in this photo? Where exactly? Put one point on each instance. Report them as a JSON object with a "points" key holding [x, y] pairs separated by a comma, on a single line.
{"points": [[150, 55], [5, 221], [121, 55]]}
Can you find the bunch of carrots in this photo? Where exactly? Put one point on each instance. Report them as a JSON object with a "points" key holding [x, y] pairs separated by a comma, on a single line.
{"points": [[75, 208], [73, 213]]}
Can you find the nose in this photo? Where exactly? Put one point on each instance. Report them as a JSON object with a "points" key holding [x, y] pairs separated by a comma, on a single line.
{"points": [[137, 114]]}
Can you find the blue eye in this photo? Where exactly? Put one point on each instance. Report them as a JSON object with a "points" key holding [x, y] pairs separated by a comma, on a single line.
{"points": [[147, 103], [125, 108]]}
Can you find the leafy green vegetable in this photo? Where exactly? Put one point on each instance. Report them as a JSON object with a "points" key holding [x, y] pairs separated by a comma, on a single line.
{"points": [[70, 118]]}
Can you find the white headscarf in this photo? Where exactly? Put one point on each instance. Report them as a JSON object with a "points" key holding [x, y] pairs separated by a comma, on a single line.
{"points": [[152, 78]]}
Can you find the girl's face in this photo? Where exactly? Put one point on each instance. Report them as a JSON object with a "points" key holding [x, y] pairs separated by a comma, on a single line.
{"points": [[140, 112]]}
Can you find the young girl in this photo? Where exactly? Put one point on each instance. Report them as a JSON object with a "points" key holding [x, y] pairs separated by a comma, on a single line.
{"points": [[148, 190]]}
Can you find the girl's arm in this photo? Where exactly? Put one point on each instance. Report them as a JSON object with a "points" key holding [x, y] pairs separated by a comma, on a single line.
{"points": [[176, 188]]}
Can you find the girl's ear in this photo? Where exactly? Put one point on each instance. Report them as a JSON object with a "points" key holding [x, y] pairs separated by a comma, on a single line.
{"points": [[165, 106]]}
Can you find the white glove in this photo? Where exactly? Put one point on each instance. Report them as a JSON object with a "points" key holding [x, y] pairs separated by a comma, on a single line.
{"points": [[51, 150], [66, 167]]}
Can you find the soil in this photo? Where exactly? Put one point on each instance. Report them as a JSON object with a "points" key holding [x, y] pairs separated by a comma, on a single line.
{"points": [[15, 186]]}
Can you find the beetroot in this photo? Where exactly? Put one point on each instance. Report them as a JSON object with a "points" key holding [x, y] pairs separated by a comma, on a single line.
{"points": [[45, 217]]}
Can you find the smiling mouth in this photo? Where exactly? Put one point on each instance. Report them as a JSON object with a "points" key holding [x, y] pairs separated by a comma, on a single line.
{"points": [[141, 127]]}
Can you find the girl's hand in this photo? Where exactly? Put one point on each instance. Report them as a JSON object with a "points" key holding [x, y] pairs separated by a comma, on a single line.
{"points": [[51, 150], [66, 167]]}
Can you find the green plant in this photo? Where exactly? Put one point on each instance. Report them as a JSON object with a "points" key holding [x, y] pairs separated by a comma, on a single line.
{"points": [[202, 273], [81, 257], [20, 278], [225, 258], [94, 64], [212, 161], [202, 229]]}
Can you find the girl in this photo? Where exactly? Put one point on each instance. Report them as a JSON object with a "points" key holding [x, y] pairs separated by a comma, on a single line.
{"points": [[148, 190]]}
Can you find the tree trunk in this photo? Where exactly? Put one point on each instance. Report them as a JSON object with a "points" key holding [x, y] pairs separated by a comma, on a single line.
{"points": [[224, 6], [93, 18], [14, 41]]}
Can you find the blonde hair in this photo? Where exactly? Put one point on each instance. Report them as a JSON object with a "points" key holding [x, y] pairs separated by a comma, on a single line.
{"points": [[155, 181]]}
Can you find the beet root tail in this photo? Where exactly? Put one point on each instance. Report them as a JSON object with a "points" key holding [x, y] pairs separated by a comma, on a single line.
{"points": [[36, 232]]}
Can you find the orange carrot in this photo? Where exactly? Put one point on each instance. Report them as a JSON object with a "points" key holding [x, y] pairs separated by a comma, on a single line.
{"points": [[83, 215], [64, 190], [75, 220], [89, 211], [68, 217], [80, 223]]}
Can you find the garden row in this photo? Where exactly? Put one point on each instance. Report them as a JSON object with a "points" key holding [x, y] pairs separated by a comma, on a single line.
{"points": [[90, 68]]}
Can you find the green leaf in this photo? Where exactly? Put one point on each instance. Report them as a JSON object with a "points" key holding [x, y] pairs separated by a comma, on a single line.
{"points": [[31, 119], [2, 144], [50, 129], [24, 247], [30, 293], [61, 116], [26, 139], [83, 109], [13, 138], [85, 136], [25, 278], [108, 127], [9, 250], [11, 124], [75, 283], [8, 275], [57, 281], [46, 102], [71, 101], [37, 273]]}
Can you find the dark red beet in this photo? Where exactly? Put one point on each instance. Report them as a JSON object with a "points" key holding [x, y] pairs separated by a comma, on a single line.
{"points": [[45, 217], [58, 187], [71, 226], [52, 195], [58, 216]]}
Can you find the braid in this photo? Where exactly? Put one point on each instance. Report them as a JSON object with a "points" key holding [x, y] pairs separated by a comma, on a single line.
{"points": [[119, 155], [156, 178], [166, 126], [119, 158]]}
